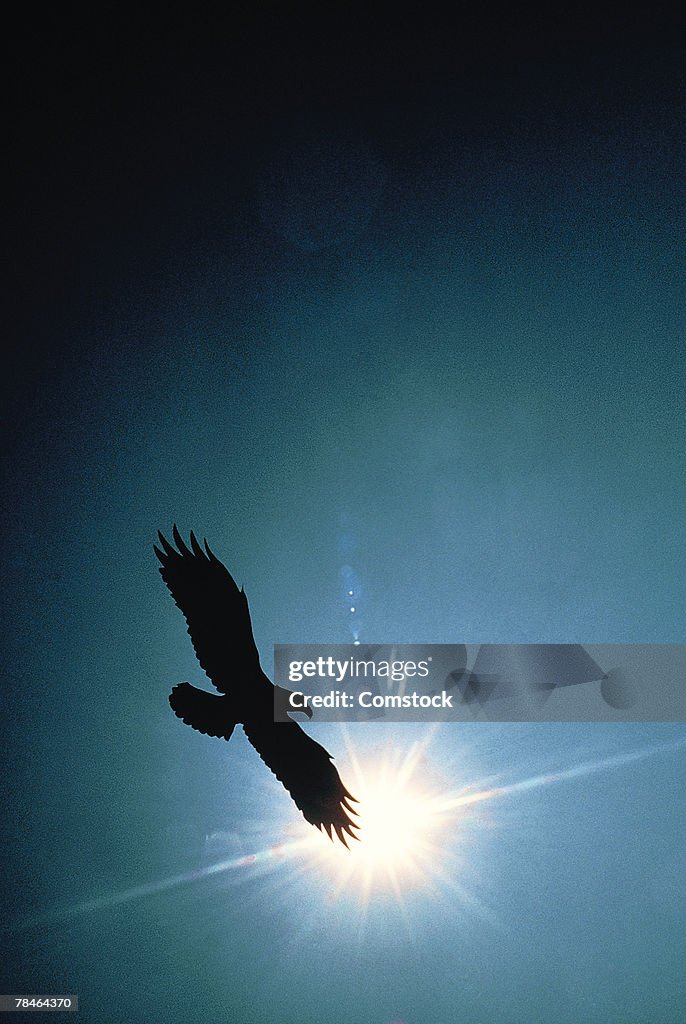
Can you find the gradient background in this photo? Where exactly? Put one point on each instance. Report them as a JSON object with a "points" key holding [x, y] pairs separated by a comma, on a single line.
{"points": [[384, 295]]}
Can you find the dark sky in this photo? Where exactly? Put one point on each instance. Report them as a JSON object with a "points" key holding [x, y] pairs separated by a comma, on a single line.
{"points": [[386, 296]]}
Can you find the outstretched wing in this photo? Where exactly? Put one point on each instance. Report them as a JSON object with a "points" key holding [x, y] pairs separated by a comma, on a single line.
{"points": [[214, 608], [305, 769]]}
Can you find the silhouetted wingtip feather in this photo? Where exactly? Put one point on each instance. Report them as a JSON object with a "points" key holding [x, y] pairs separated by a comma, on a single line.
{"points": [[197, 550], [159, 554], [169, 550], [340, 834], [348, 809], [349, 834], [179, 541]]}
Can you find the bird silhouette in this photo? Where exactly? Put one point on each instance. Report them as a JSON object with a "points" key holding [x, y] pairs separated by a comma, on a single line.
{"points": [[220, 629]]}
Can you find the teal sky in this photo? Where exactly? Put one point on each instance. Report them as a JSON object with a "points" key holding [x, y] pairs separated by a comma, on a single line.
{"points": [[429, 327]]}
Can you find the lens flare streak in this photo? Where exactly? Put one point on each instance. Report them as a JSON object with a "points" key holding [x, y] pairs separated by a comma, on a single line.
{"points": [[409, 831], [269, 857]]}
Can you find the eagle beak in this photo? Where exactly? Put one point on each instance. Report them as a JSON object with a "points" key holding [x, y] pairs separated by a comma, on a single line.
{"points": [[285, 708]]}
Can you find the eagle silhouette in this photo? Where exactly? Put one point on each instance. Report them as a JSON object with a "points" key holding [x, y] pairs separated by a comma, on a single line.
{"points": [[218, 619]]}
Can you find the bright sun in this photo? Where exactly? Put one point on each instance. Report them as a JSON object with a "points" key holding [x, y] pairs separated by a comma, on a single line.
{"points": [[401, 827], [415, 832]]}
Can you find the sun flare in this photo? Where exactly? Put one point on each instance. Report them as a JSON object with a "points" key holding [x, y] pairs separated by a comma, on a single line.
{"points": [[400, 826]]}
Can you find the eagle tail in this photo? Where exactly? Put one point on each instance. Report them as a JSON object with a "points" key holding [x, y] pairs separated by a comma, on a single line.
{"points": [[202, 711]]}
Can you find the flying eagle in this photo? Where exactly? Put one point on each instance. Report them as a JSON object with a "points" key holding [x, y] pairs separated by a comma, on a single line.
{"points": [[221, 632]]}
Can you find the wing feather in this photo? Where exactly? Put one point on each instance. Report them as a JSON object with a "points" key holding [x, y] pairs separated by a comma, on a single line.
{"points": [[216, 611], [304, 768]]}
